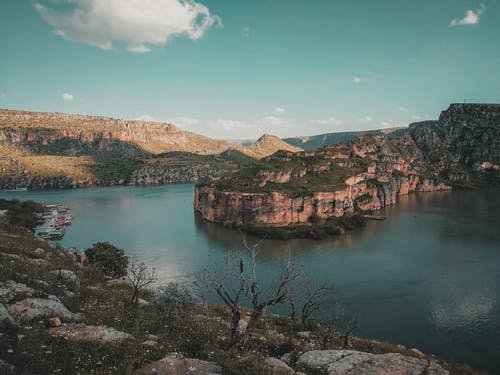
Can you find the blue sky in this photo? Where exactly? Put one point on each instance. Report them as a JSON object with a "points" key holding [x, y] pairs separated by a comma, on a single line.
{"points": [[237, 69]]}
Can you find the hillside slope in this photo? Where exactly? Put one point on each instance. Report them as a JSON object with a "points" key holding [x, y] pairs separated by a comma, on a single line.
{"points": [[52, 150]]}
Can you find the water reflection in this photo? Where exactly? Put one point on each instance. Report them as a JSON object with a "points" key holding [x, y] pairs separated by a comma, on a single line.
{"points": [[230, 238]]}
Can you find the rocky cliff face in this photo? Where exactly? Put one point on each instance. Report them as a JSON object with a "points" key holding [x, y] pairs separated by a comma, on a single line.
{"points": [[360, 176], [466, 135], [43, 129], [176, 174], [282, 209]]}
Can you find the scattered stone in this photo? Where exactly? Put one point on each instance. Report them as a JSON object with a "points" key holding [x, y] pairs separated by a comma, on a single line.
{"points": [[176, 364], [54, 322], [39, 262], [5, 318], [39, 252], [84, 333], [30, 309], [68, 277], [277, 367], [339, 362], [11, 291]]}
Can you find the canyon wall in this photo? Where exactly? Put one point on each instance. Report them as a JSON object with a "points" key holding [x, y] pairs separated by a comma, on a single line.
{"points": [[281, 209]]}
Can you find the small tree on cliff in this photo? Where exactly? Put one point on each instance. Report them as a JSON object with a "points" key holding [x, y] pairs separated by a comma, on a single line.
{"points": [[111, 259]]}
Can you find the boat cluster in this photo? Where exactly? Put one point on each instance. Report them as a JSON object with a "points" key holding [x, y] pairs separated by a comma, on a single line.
{"points": [[52, 222]]}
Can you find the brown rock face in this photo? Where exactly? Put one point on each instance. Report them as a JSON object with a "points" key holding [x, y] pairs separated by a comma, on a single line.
{"points": [[280, 209]]}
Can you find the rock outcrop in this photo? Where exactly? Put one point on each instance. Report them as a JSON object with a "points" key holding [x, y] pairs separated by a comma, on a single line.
{"points": [[341, 362], [465, 135], [177, 364], [175, 174], [89, 333]]}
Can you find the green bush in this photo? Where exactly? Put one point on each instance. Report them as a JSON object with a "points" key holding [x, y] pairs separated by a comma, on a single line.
{"points": [[110, 258]]}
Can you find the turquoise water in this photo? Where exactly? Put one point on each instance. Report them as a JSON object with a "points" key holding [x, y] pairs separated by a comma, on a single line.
{"points": [[427, 277]]}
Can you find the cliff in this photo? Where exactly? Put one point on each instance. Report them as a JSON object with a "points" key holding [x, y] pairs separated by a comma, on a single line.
{"points": [[55, 150], [461, 149]]}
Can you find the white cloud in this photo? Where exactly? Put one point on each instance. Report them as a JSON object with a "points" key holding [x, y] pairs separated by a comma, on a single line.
{"points": [[246, 32], [358, 80], [67, 97], [137, 24], [145, 117], [415, 117], [471, 17], [365, 119], [402, 108], [2, 96], [385, 124], [184, 121], [229, 125], [327, 121], [242, 129], [139, 48], [279, 110], [275, 121]]}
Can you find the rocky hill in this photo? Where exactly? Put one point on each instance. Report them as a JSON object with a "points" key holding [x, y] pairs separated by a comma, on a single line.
{"points": [[316, 188], [313, 142], [50, 150], [269, 144]]}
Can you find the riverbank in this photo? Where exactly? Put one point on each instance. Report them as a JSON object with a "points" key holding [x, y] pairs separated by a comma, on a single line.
{"points": [[51, 301]]}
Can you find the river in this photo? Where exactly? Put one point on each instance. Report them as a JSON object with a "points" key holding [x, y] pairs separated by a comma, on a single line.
{"points": [[427, 277]]}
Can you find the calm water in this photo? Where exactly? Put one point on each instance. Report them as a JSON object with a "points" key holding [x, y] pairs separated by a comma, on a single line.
{"points": [[427, 277]]}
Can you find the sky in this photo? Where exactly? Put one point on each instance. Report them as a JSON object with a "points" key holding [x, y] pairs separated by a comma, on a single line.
{"points": [[236, 69]]}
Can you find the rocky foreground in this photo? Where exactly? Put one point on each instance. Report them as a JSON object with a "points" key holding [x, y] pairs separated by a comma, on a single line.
{"points": [[58, 315], [460, 150]]}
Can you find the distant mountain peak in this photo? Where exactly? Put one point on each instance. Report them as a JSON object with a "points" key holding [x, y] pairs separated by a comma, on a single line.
{"points": [[268, 144]]}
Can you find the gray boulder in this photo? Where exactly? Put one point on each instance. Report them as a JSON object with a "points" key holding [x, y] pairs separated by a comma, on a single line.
{"points": [[68, 277], [275, 366], [11, 291], [176, 364], [342, 362], [38, 308], [84, 333]]}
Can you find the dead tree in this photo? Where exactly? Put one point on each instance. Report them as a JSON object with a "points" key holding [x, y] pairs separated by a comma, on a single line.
{"points": [[140, 277], [229, 284], [309, 299], [237, 282], [337, 322], [279, 291]]}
